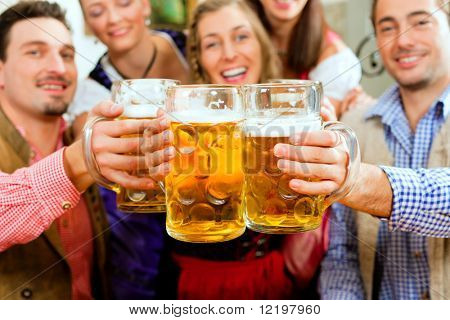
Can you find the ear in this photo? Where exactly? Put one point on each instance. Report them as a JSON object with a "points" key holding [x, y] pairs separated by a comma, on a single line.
{"points": [[146, 8]]}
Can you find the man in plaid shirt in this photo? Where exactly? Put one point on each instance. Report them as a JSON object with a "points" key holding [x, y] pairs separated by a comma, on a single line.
{"points": [[48, 231], [408, 256]]}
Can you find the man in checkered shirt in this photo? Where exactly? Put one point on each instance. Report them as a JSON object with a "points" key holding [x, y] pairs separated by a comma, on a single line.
{"points": [[408, 256]]}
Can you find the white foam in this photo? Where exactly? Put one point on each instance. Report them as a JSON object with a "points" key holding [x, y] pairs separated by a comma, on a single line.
{"points": [[280, 127], [206, 116], [140, 111]]}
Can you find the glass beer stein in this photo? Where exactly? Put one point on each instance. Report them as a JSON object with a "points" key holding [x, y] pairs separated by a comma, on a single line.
{"points": [[141, 99], [273, 113], [204, 185]]}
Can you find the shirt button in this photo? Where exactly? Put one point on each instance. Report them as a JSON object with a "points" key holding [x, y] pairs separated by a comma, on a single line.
{"points": [[259, 254], [417, 254], [66, 205], [32, 154], [26, 293]]}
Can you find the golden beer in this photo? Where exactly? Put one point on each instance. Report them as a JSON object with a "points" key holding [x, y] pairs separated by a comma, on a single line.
{"points": [[271, 206], [130, 200], [204, 187]]}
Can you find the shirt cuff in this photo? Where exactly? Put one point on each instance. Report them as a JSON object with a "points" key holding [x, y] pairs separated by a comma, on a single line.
{"points": [[407, 197], [54, 189]]}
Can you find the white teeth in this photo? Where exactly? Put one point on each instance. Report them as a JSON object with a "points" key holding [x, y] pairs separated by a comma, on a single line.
{"points": [[408, 60], [52, 87], [234, 72]]}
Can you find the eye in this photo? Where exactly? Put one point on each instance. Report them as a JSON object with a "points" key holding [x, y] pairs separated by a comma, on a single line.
{"points": [[96, 12], [241, 37], [422, 23], [211, 44], [34, 53], [68, 56], [124, 3]]}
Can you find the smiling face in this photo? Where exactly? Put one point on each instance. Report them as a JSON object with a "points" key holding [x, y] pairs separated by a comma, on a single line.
{"points": [[413, 38], [230, 52], [119, 24], [39, 74], [283, 10]]}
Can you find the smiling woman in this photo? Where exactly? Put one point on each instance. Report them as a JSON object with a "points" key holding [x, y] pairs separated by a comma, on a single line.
{"points": [[228, 44]]}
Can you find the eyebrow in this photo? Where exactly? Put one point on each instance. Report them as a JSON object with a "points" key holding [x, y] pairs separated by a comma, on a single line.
{"points": [[410, 15], [215, 34], [41, 43]]}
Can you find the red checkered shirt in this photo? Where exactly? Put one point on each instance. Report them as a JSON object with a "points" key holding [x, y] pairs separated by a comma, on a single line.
{"points": [[34, 197]]}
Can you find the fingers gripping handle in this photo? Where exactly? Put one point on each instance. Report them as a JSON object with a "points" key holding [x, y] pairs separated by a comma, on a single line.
{"points": [[89, 156], [347, 136]]}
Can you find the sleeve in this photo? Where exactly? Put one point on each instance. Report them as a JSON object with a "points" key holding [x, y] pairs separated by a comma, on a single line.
{"points": [[32, 198], [88, 94], [339, 74], [421, 201], [340, 277]]}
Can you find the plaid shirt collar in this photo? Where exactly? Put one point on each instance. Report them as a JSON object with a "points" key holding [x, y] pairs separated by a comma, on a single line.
{"points": [[390, 107]]}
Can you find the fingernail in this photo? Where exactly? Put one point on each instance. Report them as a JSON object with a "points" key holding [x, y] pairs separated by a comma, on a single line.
{"points": [[170, 152], [115, 108], [281, 164], [295, 183], [278, 150]]}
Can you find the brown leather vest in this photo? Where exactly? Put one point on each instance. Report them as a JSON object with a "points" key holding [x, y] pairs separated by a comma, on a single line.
{"points": [[37, 270]]}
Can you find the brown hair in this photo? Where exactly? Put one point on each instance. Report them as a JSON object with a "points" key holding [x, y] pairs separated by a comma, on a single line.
{"points": [[27, 10], [271, 64], [305, 45], [443, 4]]}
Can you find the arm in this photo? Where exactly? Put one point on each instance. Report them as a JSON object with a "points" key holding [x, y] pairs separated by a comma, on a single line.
{"points": [[340, 277], [31, 198], [421, 200]]}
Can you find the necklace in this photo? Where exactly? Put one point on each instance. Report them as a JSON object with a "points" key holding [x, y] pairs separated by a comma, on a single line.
{"points": [[147, 69]]}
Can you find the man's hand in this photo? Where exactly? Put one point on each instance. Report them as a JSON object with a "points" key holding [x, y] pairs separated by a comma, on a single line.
{"points": [[318, 158]]}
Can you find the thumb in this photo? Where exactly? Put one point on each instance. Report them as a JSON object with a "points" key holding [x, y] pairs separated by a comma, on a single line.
{"points": [[106, 109]]}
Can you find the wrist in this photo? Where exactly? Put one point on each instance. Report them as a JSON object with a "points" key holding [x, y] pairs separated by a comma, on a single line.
{"points": [[75, 166]]}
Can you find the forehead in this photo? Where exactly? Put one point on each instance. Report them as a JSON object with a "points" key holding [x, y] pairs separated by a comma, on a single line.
{"points": [[223, 20], [47, 30], [401, 8]]}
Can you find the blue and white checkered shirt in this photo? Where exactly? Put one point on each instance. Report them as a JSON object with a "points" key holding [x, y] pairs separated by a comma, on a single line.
{"points": [[421, 207]]}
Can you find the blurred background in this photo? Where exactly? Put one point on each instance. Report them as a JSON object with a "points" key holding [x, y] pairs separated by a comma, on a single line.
{"points": [[350, 18]]}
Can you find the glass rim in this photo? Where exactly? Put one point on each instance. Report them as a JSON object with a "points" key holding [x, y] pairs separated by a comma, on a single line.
{"points": [[208, 86], [161, 80], [265, 85]]}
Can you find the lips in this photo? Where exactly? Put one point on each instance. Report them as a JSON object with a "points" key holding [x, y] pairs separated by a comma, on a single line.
{"points": [[283, 4], [409, 60], [234, 75], [118, 32], [54, 86]]}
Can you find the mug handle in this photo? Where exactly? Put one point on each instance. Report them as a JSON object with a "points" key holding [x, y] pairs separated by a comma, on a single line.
{"points": [[89, 157], [347, 136]]}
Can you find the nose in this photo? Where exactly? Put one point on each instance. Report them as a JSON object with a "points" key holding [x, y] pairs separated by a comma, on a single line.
{"points": [[113, 15], [229, 50], [55, 63], [405, 38]]}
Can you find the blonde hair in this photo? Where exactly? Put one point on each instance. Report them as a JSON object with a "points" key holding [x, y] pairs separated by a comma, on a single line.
{"points": [[271, 64]]}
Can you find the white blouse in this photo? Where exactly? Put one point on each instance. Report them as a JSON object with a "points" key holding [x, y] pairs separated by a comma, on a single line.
{"points": [[338, 73]]}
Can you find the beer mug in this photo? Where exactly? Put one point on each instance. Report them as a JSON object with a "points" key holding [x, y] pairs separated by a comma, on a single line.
{"points": [[141, 99], [204, 185], [273, 113]]}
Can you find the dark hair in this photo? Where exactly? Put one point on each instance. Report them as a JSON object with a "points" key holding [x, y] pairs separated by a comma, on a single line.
{"points": [[305, 45], [27, 10], [443, 4]]}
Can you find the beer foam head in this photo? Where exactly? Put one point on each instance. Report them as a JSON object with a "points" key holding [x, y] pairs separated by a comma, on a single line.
{"points": [[281, 126], [140, 111], [206, 116]]}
